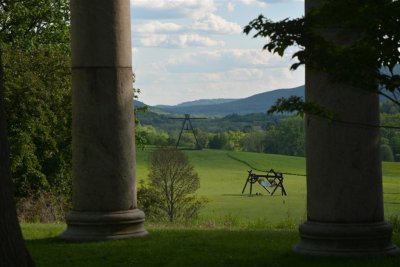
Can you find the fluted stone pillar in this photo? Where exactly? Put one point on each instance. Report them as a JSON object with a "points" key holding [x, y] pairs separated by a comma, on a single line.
{"points": [[344, 181], [103, 153]]}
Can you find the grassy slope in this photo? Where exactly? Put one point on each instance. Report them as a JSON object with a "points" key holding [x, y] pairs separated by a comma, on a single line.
{"points": [[223, 178]]}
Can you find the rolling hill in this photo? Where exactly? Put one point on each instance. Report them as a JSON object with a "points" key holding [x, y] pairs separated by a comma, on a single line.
{"points": [[219, 107]]}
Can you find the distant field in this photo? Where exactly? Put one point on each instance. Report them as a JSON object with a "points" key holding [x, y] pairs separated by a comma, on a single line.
{"points": [[222, 179]]}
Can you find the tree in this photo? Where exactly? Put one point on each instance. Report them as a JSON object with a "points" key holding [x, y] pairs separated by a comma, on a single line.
{"points": [[38, 111], [376, 45], [139, 137], [24, 24], [151, 136], [391, 137], [286, 137], [174, 180], [12, 248], [254, 141], [218, 141], [386, 153]]}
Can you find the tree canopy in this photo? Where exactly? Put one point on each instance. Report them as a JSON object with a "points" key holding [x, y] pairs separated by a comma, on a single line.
{"points": [[30, 23], [367, 40], [34, 40]]}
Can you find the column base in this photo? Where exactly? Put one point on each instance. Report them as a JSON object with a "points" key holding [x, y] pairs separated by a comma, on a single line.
{"points": [[346, 240], [96, 226]]}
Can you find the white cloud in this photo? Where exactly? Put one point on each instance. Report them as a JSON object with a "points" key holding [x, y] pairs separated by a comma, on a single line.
{"points": [[240, 74], [216, 24], [254, 2], [230, 7], [135, 50], [156, 26], [263, 3], [196, 40], [179, 41], [222, 61], [158, 9], [153, 40], [173, 88]]}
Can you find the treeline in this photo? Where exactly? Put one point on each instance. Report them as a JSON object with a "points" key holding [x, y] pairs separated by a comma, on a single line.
{"points": [[232, 122], [280, 136], [258, 133]]}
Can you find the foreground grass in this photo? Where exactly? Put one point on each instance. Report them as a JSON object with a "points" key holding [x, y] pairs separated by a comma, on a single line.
{"points": [[169, 246]]}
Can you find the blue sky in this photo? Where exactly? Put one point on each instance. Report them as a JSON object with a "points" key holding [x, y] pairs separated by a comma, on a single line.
{"points": [[185, 50]]}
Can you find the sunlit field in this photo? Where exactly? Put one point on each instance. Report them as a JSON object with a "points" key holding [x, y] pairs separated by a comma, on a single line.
{"points": [[223, 175]]}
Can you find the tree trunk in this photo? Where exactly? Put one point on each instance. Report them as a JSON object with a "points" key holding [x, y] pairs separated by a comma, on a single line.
{"points": [[12, 247]]}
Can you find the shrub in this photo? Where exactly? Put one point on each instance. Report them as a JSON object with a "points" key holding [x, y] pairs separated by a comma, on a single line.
{"points": [[43, 208]]}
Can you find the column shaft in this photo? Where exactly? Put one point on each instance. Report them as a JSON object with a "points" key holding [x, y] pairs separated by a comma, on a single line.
{"points": [[103, 142], [344, 181]]}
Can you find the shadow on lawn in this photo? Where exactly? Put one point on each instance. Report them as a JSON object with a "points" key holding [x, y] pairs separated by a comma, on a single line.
{"points": [[193, 247]]}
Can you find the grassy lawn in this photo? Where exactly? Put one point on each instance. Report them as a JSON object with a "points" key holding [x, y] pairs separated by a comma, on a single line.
{"points": [[222, 179], [182, 247], [233, 229]]}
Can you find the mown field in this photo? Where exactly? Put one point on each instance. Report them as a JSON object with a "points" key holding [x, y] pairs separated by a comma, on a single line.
{"points": [[233, 229], [223, 175]]}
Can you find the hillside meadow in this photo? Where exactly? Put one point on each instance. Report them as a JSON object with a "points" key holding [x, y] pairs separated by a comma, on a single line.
{"points": [[224, 173]]}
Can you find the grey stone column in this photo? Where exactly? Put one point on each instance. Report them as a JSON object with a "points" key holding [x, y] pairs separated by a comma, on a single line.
{"points": [[103, 144], [344, 181]]}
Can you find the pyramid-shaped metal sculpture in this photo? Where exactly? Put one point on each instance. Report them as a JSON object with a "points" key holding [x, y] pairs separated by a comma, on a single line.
{"points": [[187, 126]]}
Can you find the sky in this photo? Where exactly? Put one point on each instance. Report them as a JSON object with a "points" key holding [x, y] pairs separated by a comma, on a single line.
{"points": [[185, 50]]}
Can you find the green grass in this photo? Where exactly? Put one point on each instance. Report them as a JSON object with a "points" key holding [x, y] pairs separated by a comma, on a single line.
{"points": [[222, 179], [182, 247], [232, 230]]}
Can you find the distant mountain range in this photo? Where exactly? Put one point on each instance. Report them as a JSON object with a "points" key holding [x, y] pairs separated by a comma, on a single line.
{"points": [[220, 107], [201, 102]]}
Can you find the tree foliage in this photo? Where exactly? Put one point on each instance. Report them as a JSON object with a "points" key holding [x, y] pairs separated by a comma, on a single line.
{"points": [[139, 137], [365, 52], [31, 23], [38, 96], [24, 25], [34, 40]]}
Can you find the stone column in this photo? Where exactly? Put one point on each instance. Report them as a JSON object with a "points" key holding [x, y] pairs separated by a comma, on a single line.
{"points": [[103, 144], [344, 180]]}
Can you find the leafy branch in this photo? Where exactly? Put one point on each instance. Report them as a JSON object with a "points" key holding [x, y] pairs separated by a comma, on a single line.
{"points": [[360, 31], [298, 105]]}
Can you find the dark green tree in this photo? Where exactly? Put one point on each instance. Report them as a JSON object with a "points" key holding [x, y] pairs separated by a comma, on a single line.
{"points": [[34, 38], [286, 137], [218, 141], [24, 25], [39, 115]]}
